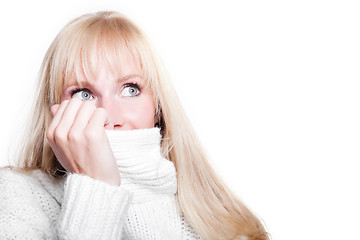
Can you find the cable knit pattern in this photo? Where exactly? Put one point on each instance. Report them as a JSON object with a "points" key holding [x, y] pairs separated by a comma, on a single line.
{"points": [[35, 206]]}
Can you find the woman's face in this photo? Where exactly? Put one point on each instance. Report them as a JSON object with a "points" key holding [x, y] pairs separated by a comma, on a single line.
{"points": [[123, 94]]}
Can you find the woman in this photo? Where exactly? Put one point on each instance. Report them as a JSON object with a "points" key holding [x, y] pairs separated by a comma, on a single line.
{"points": [[79, 179]]}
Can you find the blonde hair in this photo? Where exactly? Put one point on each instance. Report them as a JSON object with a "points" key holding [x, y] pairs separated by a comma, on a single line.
{"points": [[206, 203]]}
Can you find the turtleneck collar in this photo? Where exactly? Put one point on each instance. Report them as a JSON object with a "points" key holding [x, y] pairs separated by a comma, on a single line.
{"points": [[143, 170]]}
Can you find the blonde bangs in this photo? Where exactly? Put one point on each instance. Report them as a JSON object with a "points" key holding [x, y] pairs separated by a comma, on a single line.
{"points": [[87, 43]]}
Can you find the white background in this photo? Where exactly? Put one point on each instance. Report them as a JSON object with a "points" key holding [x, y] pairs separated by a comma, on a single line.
{"points": [[272, 88]]}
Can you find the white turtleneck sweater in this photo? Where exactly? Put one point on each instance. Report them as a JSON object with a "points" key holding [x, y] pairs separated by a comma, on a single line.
{"points": [[76, 207]]}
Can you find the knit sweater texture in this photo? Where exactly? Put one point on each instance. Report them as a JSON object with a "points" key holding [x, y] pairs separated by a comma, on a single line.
{"points": [[144, 206]]}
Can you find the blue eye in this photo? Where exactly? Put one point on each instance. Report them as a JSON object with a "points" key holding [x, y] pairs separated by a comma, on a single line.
{"points": [[130, 91], [82, 94]]}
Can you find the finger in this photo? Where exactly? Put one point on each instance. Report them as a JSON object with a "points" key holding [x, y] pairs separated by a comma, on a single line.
{"points": [[81, 121], [62, 154], [68, 118], [95, 127], [55, 122], [62, 131], [79, 133], [54, 109], [98, 119]]}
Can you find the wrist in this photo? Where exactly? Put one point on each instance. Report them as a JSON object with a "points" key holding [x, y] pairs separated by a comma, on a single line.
{"points": [[114, 180]]}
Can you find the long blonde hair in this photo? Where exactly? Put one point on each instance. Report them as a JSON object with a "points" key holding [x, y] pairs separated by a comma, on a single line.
{"points": [[206, 203]]}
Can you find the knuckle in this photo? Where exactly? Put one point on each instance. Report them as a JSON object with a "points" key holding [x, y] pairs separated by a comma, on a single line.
{"points": [[90, 135], [59, 136], [74, 136], [49, 135]]}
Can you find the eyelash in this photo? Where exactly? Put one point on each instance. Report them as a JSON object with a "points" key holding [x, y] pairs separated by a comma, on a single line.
{"points": [[76, 90], [134, 85]]}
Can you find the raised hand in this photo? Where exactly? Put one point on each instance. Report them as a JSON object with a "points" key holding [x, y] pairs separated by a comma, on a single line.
{"points": [[77, 137]]}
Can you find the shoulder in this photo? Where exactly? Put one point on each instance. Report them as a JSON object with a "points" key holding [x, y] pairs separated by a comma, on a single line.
{"points": [[29, 203], [18, 182], [15, 180], [14, 174]]}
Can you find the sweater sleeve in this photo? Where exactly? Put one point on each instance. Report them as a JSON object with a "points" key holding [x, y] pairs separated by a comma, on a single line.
{"points": [[92, 209]]}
